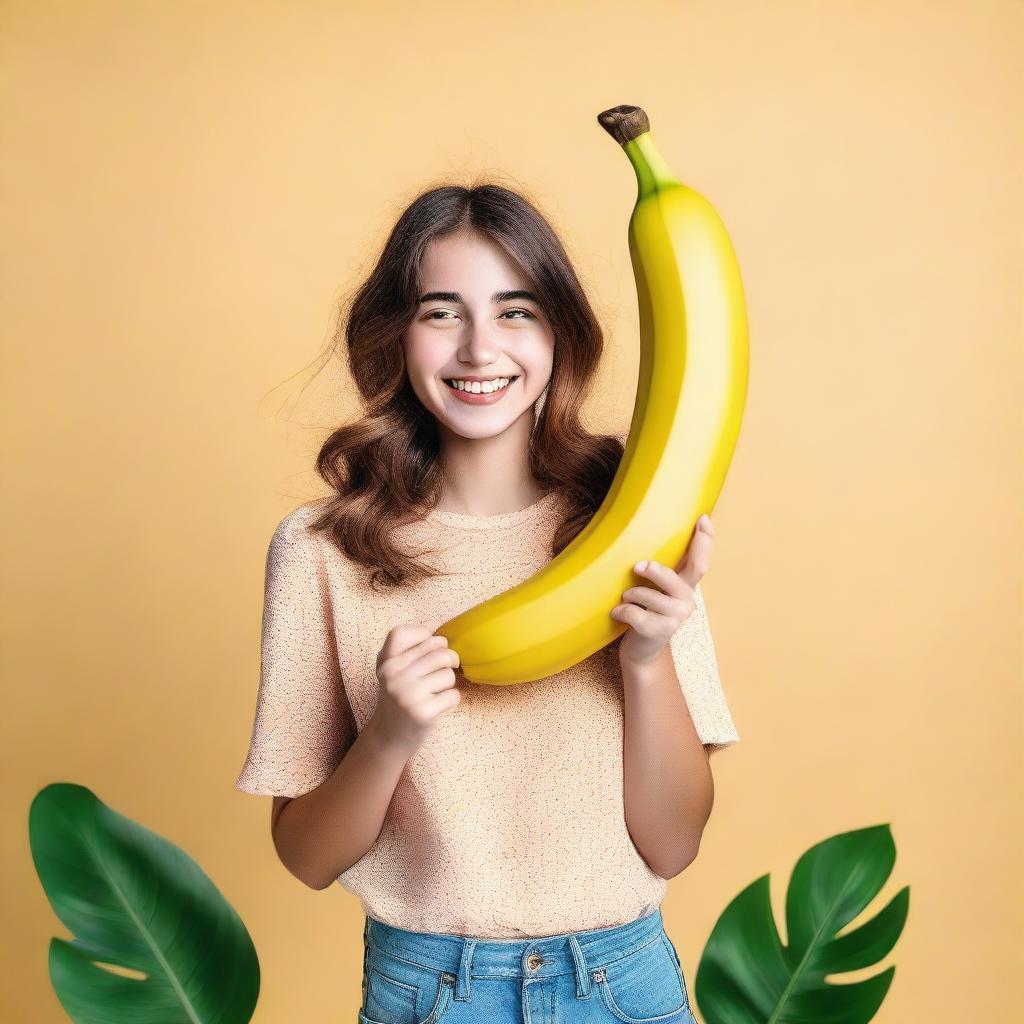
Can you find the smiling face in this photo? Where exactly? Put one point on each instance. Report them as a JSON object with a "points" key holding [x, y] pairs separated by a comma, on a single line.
{"points": [[476, 319]]}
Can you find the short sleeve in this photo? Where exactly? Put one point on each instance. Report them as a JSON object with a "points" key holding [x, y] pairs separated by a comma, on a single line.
{"points": [[693, 652], [303, 724]]}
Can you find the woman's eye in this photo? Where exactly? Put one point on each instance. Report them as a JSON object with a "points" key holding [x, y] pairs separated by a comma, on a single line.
{"points": [[433, 314]]}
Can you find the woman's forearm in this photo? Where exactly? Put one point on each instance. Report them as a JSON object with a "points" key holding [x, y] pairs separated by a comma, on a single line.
{"points": [[324, 832], [668, 789]]}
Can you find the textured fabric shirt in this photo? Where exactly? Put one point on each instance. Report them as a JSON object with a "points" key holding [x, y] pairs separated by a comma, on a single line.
{"points": [[508, 821]]}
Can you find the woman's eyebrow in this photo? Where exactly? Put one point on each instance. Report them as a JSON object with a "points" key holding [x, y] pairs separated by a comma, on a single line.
{"points": [[514, 293]]}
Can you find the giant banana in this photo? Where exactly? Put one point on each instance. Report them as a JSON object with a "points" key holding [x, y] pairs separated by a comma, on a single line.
{"points": [[690, 398]]}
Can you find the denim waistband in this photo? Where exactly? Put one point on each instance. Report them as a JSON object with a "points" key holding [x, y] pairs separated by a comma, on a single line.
{"points": [[464, 957]]}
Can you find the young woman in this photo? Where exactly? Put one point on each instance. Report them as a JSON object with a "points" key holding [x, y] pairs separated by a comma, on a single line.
{"points": [[510, 845]]}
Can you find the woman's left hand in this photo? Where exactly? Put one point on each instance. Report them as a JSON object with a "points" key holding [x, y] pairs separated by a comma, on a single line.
{"points": [[655, 614]]}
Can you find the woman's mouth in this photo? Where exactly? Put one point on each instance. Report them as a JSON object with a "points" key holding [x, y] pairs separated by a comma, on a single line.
{"points": [[474, 397]]}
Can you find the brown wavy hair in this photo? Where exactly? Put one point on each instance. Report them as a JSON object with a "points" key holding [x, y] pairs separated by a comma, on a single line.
{"points": [[384, 468]]}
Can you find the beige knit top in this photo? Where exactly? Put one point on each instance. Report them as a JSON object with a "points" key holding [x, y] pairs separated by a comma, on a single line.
{"points": [[508, 821]]}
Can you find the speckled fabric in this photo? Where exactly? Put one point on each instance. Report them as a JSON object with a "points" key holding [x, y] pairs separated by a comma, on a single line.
{"points": [[508, 821]]}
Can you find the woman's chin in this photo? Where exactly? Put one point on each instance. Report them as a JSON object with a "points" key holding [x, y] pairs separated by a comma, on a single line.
{"points": [[477, 424]]}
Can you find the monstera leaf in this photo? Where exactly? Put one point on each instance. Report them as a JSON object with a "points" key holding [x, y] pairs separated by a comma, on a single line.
{"points": [[747, 976], [137, 902]]}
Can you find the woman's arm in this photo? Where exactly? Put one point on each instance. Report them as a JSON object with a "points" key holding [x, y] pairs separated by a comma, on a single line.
{"points": [[668, 788], [324, 832]]}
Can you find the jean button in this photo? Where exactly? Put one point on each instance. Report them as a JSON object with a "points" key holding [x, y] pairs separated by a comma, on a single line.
{"points": [[534, 961]]}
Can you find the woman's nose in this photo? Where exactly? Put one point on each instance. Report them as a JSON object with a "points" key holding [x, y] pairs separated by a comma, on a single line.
{"points": [[478, 347]]}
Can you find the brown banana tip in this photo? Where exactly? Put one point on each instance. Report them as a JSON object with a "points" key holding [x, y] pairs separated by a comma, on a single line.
{"points": [[624, 122]]}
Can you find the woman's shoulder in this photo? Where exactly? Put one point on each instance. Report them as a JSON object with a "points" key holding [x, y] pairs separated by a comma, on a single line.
{"points": [[295, 540], [293, 530], [298, 520]]}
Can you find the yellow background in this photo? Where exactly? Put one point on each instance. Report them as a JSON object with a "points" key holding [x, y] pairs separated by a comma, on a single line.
{"points": [[188, 191]]}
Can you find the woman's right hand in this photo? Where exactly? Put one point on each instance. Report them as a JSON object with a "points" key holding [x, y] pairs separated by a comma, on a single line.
{"points": [[416, 672]]}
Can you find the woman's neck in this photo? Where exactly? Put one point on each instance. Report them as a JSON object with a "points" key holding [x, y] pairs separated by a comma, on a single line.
{"points": [[489, 475]]}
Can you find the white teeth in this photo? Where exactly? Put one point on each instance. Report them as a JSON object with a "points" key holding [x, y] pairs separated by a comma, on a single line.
{"points": [[476, 387]]}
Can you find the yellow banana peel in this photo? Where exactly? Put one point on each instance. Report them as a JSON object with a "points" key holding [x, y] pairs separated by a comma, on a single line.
{"points": [[690, 398]]}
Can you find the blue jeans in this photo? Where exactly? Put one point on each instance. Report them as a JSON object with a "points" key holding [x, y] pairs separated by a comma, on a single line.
{"points": [[629, 973]]}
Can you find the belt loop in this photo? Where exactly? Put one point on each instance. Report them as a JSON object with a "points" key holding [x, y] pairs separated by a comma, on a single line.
{"points": [[463, 987], [582, 969]]}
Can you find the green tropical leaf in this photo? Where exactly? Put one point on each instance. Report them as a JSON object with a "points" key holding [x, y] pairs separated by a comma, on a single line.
{"points": [[747, 976], [135, 901]]}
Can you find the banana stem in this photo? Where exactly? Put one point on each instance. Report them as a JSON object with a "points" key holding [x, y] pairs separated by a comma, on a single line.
{"points": [[652, 173], [630, 127]]}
